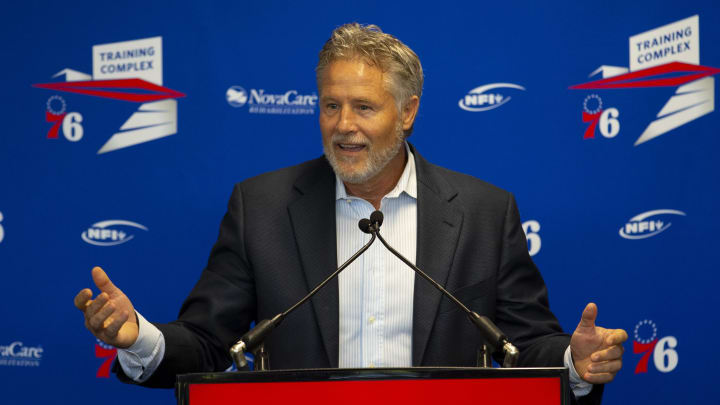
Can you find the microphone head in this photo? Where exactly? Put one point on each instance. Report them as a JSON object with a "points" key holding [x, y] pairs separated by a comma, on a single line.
{"points": [[376, 218], [364, 225]]}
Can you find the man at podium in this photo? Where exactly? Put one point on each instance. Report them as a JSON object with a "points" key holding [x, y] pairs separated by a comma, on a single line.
{"points": [[285, 231]]}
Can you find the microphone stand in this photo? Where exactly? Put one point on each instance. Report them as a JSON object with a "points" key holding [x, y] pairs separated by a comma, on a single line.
{"points": [[253, 340], [492, 335]]}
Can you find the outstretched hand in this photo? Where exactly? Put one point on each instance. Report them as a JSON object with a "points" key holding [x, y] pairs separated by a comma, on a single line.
{"points": [[110, 316], [596, 352]]}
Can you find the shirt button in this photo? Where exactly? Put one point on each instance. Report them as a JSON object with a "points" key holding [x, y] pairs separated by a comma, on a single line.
{"points": [[371, 319], [372, 365]]}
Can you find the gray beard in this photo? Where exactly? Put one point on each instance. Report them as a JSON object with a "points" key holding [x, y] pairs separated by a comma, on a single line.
{"points": [[376, 161]]}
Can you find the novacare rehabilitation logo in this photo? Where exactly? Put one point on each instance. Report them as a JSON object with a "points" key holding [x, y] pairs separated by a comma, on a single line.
{"points": [[259, 101], [20, 355]]}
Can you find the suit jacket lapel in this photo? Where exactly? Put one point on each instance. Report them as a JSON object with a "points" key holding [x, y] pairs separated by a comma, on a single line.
{"points": [[438, 225], [313, 219]]}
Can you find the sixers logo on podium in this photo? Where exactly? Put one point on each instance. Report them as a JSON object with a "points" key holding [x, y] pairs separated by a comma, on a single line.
{"points": [[667, 56], [127, 71], [665, 357]]}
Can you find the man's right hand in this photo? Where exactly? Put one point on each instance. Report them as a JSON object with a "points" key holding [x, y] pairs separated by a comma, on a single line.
{"points": [[110, 316]]}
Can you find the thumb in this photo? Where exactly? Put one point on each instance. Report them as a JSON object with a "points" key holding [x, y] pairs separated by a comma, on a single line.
{"points": [[588, 316], [102, 281]]}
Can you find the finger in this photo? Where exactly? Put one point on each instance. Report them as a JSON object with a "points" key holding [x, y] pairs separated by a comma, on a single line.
{"points": [[588, 316], [616, 337], [98, 320], [113, 327], [599, 378], [102, 281], [611, 353], [96, 305], [605, 367], [82, 298]]}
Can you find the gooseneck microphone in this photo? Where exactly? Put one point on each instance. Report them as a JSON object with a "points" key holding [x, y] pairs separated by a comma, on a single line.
{"points": [[492, 335], [252, 341]]}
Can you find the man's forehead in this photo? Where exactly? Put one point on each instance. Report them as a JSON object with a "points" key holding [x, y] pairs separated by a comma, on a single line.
{"points": [[355, 74], [355, 59]]}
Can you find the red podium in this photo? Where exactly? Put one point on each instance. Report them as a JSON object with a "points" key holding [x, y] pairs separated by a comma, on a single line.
{"points": [[537, 386]]}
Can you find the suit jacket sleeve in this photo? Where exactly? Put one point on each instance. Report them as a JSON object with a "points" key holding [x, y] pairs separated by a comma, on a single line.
{"points": [[522, 307], [523, 310], [217, 312]]}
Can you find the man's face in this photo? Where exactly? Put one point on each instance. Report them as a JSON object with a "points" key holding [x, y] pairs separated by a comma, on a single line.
{"points": [[361, 128]]}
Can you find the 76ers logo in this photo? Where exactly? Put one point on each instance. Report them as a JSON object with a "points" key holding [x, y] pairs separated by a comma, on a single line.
{"points": [[69, 123], [652, 65], [128, 71], [663, 352], [107, 352], [605, 120]]}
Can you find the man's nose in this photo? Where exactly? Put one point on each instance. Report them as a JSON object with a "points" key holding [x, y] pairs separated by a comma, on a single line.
{"points": [[346, 124]]}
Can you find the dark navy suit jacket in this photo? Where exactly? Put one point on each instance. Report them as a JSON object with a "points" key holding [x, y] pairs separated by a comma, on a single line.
{"points": [[277, 241]]}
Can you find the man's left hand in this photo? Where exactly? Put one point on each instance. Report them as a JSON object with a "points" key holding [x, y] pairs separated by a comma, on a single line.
{"points": [[596, 352]]}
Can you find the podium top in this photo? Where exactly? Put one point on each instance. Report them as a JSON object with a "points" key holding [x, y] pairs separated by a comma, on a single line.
{"points": [[362, 386]]}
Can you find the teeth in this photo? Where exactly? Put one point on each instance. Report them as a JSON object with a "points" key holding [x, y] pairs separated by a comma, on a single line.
{"points": [[350, 146]]}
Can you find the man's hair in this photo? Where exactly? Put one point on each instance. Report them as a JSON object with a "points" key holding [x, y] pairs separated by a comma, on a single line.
{"points": [[368, 43]]}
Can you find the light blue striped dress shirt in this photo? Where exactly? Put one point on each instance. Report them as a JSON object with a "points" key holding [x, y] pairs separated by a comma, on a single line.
{"points": [[376, 290]]}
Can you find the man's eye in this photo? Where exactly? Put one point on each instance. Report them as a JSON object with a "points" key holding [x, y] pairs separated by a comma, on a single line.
{"points": [[364, 107], [331, 106]]}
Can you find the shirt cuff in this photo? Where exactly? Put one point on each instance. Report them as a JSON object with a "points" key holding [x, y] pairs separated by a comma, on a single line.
{"points": [[140, 360], [579, 386]]}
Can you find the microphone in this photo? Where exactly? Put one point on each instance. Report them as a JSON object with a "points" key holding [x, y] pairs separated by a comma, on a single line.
{"points": [[376, 218], [252, 341], [492, 335], [373, 224], [364, 225]]}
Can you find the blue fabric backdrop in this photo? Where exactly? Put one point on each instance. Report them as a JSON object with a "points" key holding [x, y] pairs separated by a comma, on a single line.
{"points": [[597, 208]]}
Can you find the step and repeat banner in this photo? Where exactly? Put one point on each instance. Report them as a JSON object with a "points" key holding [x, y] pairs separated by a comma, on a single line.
{"points": [[127, 124]]}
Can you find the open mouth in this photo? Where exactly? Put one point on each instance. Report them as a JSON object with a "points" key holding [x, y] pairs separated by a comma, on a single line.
{"points": [[350, 147]]}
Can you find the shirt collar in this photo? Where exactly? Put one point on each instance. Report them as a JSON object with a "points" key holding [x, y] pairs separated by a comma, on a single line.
{"points": [[407, 182]]}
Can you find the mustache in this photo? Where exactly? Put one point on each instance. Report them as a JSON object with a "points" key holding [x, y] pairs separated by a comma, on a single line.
{"points": [[351, 139]]}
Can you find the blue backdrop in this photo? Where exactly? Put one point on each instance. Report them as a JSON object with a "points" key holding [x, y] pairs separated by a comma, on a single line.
{"points": [[134, 174]]}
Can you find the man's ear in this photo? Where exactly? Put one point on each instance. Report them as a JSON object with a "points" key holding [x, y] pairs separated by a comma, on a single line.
{"points": [[409, 112]]}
